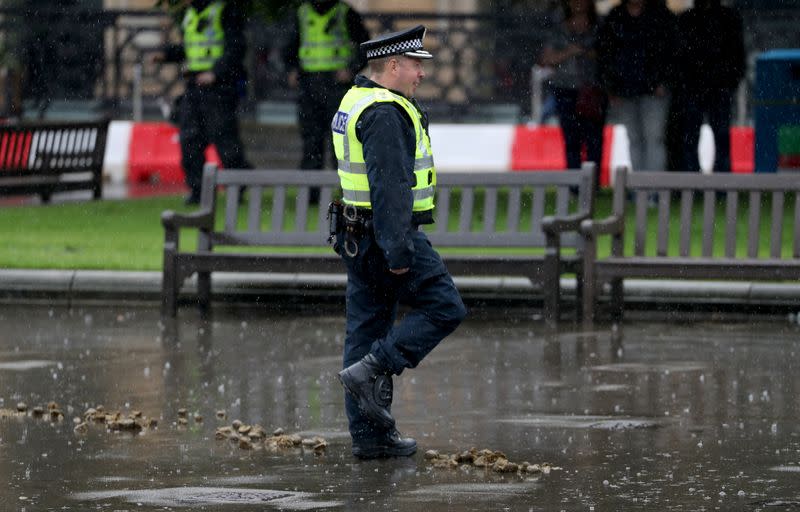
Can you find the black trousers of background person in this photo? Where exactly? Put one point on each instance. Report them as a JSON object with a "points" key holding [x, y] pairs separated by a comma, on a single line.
{"points": [[716, 104], [208, 116], [318, 99]]}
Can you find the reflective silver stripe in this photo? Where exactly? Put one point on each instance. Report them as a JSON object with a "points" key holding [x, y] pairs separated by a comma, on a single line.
{"points": [[356, 196], [361, 168], [355, 167], [203, 44], [425, 162], [423, 193]]}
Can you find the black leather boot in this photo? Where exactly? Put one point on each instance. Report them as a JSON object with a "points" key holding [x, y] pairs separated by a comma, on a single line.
{"points": [[393, 445], [371, 386]]}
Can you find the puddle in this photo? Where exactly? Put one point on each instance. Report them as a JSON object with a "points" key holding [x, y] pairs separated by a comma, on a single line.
{"points": [[210, 496]]}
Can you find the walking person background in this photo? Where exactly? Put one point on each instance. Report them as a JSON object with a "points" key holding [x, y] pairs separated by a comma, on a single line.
{"points": [[637, 47], [322, 58], [212, 52], [388, 180], [713, 63], [580, 101]]}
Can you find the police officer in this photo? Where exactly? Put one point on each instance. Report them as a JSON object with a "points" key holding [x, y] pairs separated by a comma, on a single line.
{"points": [[385, 162], [212, 51], [322, 59]]}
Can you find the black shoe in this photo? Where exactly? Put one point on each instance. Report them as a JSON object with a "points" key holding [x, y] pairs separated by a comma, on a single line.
{"points": [[371, 386], [393, 445], [192, 199]]}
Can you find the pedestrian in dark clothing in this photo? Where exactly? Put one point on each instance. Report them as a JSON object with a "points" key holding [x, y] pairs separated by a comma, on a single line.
{"points": [[637, 47], [580, 102], [322, 58], [381, 140], [713, 64], [212, 52]]}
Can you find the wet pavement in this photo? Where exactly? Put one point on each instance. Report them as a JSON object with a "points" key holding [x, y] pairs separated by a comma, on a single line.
{"points": [[650, 415]]}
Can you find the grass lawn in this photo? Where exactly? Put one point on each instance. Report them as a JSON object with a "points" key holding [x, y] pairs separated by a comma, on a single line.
{"points": [[127, 234]]}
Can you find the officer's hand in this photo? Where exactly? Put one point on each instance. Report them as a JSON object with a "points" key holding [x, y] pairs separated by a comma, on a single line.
{"points": [[343, 76], [155, 58], [292, 79], [398, 271], [205, 78]]}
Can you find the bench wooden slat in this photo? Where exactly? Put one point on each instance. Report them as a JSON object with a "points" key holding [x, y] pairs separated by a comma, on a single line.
{"points": [[562, 201], [641, 222], [467, 205], [537, 208], [687, 198], [796, 249], [254, 209], [231, 207], [767, 182], [731, 223], [514, 209], [776, 232], [325, 198], [442, 209], [663, 222], [278, 208], [698, 268], [301, 209], [490, 210], [754, 224], [709, 216]]}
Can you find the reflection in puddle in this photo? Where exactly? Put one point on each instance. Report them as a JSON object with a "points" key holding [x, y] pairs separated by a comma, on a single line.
{"points": [[21, 366], [587, 422], [665, 367], [199, 496]]}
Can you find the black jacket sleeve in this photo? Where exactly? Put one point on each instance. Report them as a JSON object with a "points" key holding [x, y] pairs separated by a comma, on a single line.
{"points": [[358, 34], [229, 68], [388, 139], [291, 57]]}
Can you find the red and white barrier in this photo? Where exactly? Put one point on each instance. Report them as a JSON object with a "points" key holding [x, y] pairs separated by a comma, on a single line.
{"points": [[150, 152]]}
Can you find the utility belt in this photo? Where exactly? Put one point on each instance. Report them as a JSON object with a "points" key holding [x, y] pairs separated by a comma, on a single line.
{"points": [[350, 221]]}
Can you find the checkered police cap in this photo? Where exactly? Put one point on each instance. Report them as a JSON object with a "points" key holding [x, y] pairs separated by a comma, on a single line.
{"points": [[405, 42]]}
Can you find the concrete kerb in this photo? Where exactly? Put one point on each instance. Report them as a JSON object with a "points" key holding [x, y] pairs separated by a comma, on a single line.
{"points": [[74, 286]]}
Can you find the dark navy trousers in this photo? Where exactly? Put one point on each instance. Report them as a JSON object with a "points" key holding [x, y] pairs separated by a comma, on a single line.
{"points": [[373, 294]]}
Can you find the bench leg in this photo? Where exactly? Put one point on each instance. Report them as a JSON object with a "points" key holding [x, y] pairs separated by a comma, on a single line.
{"points": [[579, 294], [204, 290], [169, 287], [551, 288], [617, 299], [588, 284]]}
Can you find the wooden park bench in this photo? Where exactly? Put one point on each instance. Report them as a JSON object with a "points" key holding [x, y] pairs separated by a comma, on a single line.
{"points": [[45, 158], [719, 207], [510, 224]]}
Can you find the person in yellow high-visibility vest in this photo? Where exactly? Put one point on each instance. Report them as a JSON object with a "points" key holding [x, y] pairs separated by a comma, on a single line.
{"points": [[388, 178], [212, 54], [322, 58]]}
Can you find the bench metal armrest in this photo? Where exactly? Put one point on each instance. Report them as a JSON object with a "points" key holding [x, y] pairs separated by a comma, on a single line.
{"points": [[609, 226], [553, 225], [173, 221], [200, 219]]}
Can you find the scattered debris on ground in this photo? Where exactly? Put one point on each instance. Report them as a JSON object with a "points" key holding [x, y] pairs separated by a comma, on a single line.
{"points": [[490, 460], [250, 437]]}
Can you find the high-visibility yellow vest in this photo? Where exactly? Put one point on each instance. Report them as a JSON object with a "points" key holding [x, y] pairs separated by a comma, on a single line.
{"points": [[203, 37], [350, 151], [325, 43]]}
